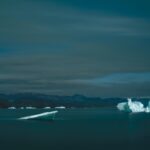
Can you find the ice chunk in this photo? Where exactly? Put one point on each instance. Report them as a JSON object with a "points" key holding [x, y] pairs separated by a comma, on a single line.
{"points": [[133, 106], [47, 107], [147, 109], [30, 107], [122, 106], [60, 107]]}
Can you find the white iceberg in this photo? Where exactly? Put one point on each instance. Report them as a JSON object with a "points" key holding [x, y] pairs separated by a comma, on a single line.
{"points": [[133, 106], [47, 107], [122, 106], [60, 107], [147, 109], [30, 107]]}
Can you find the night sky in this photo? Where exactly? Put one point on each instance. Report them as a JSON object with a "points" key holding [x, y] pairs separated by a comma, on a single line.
{"points": [[66, 47]]}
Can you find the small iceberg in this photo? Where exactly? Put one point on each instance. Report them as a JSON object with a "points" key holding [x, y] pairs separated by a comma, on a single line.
{"points": [[60, 107], [11, 107], [41, 116], [47, 107], [30, 108], [133, 106]]}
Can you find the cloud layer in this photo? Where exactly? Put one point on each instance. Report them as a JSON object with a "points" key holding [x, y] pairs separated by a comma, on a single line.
{"points": [[47, 46]]}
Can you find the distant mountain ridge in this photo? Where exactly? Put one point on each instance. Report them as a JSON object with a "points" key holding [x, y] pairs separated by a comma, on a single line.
{"points": [[42, 100]]}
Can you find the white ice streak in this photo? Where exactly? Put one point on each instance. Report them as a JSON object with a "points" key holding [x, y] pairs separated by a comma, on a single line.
{"points": [[134, 107], [41, 115]]}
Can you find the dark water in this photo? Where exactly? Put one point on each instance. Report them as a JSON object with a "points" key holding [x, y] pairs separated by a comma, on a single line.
{"points": [[76, 129]]}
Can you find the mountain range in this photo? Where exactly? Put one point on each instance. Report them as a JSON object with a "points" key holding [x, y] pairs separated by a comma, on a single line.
{"points": [[42, 100]]}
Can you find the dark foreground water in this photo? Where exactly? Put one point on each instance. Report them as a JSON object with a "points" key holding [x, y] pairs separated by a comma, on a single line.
{"points": [[75, 129]]}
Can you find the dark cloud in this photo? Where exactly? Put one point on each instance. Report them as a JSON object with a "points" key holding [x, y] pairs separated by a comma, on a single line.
{"points": [[44, 45]]}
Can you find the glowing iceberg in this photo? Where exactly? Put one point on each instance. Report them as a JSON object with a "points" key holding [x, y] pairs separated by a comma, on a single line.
{"points": [[134, 107], [41, 116]]}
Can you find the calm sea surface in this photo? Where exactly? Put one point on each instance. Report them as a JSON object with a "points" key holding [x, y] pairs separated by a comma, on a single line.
{"points": [[75, 129]]}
